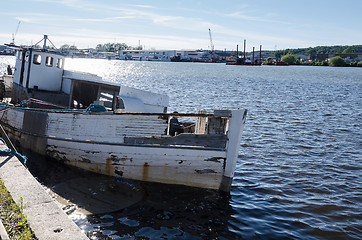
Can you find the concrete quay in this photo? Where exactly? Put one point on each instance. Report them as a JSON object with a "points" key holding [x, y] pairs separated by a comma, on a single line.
{"points": [[45, 217], [3, 233]]}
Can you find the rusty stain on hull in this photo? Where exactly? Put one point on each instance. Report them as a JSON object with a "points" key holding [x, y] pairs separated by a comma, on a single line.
{"points": [[145, 171], [109, 167]]}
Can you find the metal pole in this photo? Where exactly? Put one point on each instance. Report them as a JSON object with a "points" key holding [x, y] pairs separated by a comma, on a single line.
{"points": [[244, 50], [260, 55], [45, 42], [253, 55]]}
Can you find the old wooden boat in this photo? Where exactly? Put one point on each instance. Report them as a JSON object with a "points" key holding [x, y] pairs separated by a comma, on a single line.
{"points": [[81, 120]]}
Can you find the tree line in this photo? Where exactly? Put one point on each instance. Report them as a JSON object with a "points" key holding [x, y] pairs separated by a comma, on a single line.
{"points": [[107, 47], [336, 61], [319, 50]]}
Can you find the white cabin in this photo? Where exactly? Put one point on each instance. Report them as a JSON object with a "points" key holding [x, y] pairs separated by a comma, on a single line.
{"points": [[40, 75], [37, 68]]}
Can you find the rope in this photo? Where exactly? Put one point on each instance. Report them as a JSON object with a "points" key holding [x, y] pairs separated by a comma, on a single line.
{"points": [[95, 108], [9, 152], [22, 106]]}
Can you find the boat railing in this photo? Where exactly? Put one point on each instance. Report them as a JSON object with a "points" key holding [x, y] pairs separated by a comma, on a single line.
{"points": [[200, 123]]}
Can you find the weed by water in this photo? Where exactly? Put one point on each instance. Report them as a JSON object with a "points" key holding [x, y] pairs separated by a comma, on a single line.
{"points": [[12, 217]]}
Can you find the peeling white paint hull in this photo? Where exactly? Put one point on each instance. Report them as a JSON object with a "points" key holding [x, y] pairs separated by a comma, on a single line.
{"points": [[121, 146], [190, 167]]}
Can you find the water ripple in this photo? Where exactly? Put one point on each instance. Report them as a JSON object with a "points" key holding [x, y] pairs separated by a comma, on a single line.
{"points": [[299, 169]]}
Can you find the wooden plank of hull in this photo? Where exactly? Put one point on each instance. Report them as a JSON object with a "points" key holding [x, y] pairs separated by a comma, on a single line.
{"points": [[171, 165], [14, 117], [111, 128]]}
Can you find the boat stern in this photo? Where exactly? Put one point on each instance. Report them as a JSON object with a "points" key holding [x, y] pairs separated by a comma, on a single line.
{"points": [[235, 130]]}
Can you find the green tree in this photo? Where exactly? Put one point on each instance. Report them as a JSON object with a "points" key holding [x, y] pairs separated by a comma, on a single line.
{"points": [[278, 54], [289, 58], [348, 50], [99, 48], [312, 53], [324, 63], [269, 60], [112, 47], [337, 62], [64, 47], [138, 48], [359, 64]]}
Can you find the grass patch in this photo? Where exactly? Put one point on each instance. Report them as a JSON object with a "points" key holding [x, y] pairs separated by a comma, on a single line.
{"points": [[12, 217]]}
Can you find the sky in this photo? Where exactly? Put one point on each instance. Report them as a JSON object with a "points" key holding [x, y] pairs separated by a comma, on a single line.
{"points": [[184, 24]]}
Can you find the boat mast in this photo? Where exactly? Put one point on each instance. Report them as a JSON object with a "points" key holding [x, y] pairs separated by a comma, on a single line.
{"points": [[45, 42]]}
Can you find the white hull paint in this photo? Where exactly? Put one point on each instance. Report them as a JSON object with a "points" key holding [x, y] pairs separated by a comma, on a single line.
{"points": [[191, 167], [107, 144]]}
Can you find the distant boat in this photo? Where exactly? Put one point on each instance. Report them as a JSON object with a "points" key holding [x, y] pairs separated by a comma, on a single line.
{"points": [[159, 59], [240, 61], [81, 120]]}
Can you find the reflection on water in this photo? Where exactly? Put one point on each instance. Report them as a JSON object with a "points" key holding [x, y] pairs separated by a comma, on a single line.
{"points": [[299, 172]]}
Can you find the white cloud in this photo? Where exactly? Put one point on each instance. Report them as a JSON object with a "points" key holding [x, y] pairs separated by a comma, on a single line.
{"points": [[95, 19], [144, 6], [79, 4], [270, 19]]}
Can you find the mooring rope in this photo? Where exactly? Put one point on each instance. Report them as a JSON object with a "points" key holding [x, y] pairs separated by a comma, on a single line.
{"points": [[95, 108], [10, 152]]}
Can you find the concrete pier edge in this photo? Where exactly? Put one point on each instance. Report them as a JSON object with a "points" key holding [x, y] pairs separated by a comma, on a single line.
{"points": [[3, 233], [46, 219]]}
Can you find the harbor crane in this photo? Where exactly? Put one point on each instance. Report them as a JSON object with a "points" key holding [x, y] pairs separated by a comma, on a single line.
{"points": [[212, 47], [211, 44], [14, 34]]}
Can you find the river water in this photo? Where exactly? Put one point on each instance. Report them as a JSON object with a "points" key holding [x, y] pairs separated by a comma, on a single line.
{"points": [[299, 171]]}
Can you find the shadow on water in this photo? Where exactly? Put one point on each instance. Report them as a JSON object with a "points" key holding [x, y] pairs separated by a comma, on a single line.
{"points": [[171, 212], [119, 209]]}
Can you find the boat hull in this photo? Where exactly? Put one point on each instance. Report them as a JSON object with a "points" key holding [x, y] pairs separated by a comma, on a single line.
{"points": [[171, 165], [119, 146]]}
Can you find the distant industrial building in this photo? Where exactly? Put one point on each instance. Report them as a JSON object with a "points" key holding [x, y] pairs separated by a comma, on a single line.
{"points": [[164, 55]]}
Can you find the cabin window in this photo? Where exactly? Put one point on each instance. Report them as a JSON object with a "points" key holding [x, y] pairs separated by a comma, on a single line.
{"points": [[59, 63], [37, 59], [49, 61]]}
